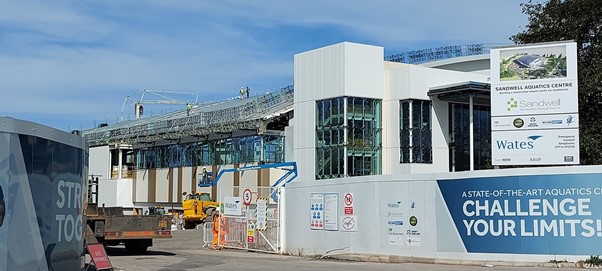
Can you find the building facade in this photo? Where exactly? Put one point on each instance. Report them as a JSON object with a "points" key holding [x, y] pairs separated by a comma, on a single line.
{"points": [[397, 159]]}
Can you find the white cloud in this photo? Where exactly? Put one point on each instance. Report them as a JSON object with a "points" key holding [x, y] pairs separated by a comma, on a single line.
{"points": [[87, 56]]}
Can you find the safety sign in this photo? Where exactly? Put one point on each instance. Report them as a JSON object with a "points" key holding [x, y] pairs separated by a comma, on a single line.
{"points": [[250, 233], [247, 196], [262, 207], [349, 223], [316, 202], [348, 200]]}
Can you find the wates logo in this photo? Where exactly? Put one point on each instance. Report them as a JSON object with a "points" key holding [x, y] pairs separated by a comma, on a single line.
{"points": [[517, 144], [511, 104]]}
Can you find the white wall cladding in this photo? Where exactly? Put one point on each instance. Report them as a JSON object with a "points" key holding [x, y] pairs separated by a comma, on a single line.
{"points": [[162, 185], [248, 178], [116, 193], [141, 185], [186, 179], [348, 69], [101, 162], [435, 235]]}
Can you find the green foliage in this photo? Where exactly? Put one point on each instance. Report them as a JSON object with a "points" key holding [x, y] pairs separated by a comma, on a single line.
{"points": [[594, 260], [580, 21]]}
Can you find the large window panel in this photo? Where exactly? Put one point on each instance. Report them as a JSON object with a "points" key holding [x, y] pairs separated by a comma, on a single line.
{"points": [[415, 135], [362, 145], [223, 151], [459, 125]]}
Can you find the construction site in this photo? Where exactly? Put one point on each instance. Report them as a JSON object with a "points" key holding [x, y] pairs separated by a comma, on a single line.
{"points": [[214, 136], [370, 155]]}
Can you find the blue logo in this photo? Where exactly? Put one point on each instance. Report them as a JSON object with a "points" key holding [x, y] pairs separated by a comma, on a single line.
{"points": [[569, 120], [517, 144]]}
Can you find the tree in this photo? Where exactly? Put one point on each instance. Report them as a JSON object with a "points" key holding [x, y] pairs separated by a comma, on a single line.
{"points": [[580, 21]]}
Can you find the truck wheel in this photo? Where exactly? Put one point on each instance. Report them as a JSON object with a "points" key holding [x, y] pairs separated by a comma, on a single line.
{"points": [[131, 249], [189, 225], [137, 246]]}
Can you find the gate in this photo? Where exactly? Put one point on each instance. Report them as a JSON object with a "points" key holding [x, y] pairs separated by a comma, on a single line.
{"points": [[252, 220]]}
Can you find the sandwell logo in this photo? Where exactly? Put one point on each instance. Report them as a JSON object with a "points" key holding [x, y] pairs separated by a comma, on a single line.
{"points": [[511, 104], [532, 105], [517, 144]]}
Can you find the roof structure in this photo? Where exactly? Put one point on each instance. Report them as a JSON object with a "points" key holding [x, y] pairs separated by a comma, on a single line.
{"points": [[217, 117], [460, 92], [527, 60]]}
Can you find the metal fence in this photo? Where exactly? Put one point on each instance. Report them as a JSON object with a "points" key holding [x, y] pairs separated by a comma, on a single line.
{"points": [[252, 218], [207, 234]]}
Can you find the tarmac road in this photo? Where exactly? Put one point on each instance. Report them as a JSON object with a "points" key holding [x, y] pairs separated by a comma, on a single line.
{"points": [[184, 252]]}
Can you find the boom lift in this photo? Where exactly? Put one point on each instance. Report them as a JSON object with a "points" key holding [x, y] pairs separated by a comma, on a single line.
{"points": [[199, 208]]}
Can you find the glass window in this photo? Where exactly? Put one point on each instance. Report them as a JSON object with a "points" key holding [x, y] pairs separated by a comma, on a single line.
{"points": [[362, 143], [223, 151], [459, 125], [415, 135]]}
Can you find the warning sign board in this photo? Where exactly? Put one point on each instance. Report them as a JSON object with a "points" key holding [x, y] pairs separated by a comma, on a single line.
{"points": [[247, 196], [349, 223], [250, 233], [99, 256], [348, 201], [316, 200]]}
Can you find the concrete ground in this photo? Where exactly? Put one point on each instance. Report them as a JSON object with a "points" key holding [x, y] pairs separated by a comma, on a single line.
{"points": [[184, 252]]}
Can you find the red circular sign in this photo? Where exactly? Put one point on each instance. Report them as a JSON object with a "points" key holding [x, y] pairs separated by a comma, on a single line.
{"points": [[348, 199], [247, 196]]}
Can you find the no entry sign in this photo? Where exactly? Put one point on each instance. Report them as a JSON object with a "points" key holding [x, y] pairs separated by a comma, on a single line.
{"points": [[348, 200]]}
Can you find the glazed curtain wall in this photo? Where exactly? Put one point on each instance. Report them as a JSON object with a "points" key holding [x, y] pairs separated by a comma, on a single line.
{"points": [[415, 135], [252, 149], [348, 128]]}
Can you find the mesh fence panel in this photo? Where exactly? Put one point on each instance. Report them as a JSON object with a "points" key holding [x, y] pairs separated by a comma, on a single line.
{"points": [[252, 218]]}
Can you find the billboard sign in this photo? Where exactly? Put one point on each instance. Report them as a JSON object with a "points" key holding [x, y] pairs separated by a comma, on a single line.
{"points": [[534, 88], [536, 147], [541, 214]]}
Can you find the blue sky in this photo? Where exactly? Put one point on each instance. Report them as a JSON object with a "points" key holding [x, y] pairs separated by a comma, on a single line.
{"points": [[71, 64]]}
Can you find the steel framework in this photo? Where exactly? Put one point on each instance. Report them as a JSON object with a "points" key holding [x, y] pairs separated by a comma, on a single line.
{"points": [[219, 117]]}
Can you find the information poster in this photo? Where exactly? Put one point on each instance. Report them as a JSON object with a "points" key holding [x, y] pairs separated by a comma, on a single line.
{"points": [[262, 206], [316, 202], [331, 212]]}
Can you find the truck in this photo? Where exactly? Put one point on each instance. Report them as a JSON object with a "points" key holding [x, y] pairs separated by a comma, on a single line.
{"points": [[112, 227]]}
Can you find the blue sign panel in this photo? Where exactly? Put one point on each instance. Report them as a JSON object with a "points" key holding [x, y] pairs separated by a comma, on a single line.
{"points": [[551, 214]]}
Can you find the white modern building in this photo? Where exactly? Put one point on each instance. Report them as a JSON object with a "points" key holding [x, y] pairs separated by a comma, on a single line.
{"points": [[393, 159]]}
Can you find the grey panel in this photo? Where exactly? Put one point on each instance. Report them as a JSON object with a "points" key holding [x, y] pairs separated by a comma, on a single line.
{"points": [[43, 174], [448, 239]]}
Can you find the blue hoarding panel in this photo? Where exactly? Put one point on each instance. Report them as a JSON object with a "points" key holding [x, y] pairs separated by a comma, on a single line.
{"points": [[545, 214]]}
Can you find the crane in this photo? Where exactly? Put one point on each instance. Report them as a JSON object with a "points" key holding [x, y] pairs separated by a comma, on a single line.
{"points": [[160, 97]]}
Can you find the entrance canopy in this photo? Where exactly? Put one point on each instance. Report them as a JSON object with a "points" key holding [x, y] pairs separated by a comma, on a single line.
{"points": [[460, 92]]}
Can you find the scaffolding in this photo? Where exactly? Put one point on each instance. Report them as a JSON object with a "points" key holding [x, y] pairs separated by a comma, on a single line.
{"points": [[440, 53], [218, 117]]}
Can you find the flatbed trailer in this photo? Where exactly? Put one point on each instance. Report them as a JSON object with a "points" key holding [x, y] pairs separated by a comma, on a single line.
{"points": [[136, 232]]}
